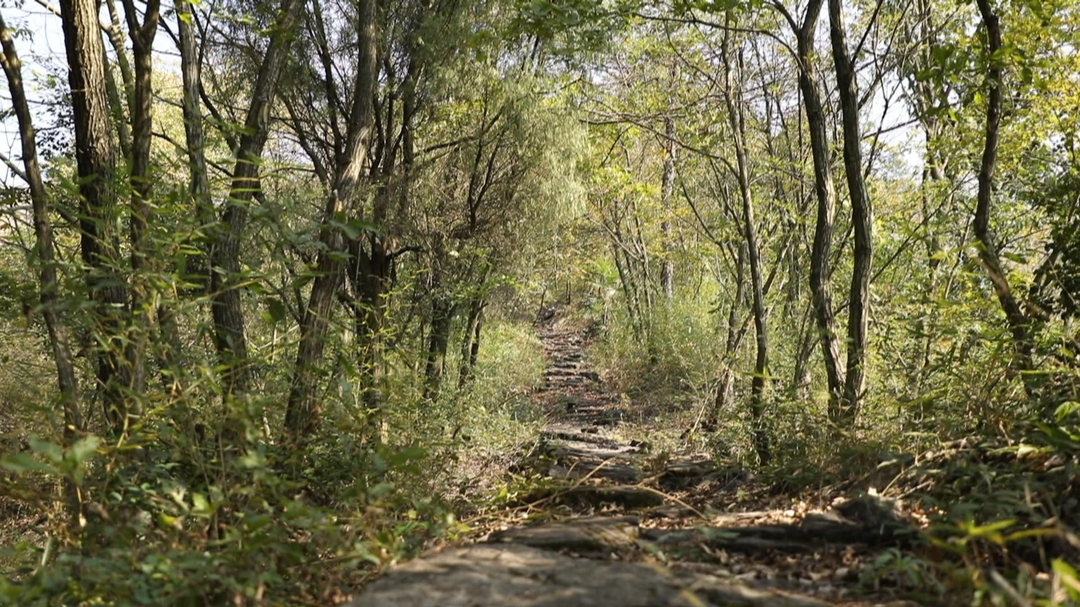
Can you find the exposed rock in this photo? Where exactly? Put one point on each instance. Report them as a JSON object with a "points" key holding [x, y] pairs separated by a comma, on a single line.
{"points": [[869, 510], [580, 534], [566, 451], [686, 473], [812, 533], [594, 496], [520, 576], [571, 434], [579, 470]]}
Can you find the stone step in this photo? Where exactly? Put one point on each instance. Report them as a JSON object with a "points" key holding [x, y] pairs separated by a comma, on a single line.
{"points": [[515, 575], [594, 496], [580, 534]]}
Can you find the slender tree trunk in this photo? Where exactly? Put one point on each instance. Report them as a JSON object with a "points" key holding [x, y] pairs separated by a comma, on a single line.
{"points": [[96, 168], [370, 279], [442, 313], [120, 107], [667, 187], [1017, 319], [861, 219], [628, 290], [142, 42], [742, 174], [225, 284], [372, 271], [171, 350], [474, 351], [471, 321], [303, 412], [116, 39], [47, 279], [800, 377], [471, 334], [926, 325], [193, 119], [119, 115], [731, 343], [821, 293], [638, 234]]}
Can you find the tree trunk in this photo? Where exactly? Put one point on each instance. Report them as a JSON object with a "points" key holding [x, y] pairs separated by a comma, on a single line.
{"points": [[1018, 321], [471, 335], [474, 351], [442, 314], [731, 343], [47, 279], [820, 290], [303, 411], [800, 376], [171, 349], [193, 119], [370, 280], [142, 42], [225, 278], [667, 186], [372, 270], [861, 219], [465, 372], [742, 175], [628, 290], [96, 168]]}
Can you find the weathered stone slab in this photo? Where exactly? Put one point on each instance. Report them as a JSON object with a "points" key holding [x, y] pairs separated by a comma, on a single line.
{"points": [[567, 451], [594, 496], [812, 533], [520, 576], [586, 534], [578, 435], [682, 474], [598, 470]]}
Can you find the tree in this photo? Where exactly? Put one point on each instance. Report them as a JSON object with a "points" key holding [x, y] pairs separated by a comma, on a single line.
{"points": [[225, 276], [1018, 322], [862, 218], [97, 172], [737, 122], [303, 410], [48, 286]]}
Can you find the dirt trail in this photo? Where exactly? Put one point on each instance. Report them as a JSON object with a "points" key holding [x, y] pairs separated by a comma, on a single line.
{"points": [[620, 526]]}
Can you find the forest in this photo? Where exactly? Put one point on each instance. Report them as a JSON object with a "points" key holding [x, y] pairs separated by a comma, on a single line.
{"points": [[545, 303]]}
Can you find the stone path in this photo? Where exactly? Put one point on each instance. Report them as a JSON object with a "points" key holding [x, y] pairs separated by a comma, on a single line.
{"points": [[613, 531]]}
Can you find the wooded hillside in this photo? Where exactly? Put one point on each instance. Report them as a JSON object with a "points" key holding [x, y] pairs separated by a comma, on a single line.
{"points": [[293, 291]]}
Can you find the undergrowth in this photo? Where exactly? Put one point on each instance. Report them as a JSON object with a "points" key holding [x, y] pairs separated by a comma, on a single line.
{"points": [[177, 514]]}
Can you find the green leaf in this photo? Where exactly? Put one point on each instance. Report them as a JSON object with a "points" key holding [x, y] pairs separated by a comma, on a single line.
{"points": [[83, 449], [356, 228], [24, 462], [276, 310], [53, 452], [406, 455], [1066, 409], [199, 504], [1069, 578]]}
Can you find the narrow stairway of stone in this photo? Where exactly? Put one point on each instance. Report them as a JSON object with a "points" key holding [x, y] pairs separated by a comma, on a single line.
{"points": [[615, 524]]}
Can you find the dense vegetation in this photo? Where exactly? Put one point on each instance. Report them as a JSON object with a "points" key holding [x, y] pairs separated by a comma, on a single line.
{"points": [[268, 271]]}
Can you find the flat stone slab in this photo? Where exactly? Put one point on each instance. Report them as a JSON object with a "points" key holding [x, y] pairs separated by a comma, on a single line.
{"points": [[585, 534], [511, 575], [599, 470], [592, 496], [812, 533], [568, 451], [575, 434]]}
